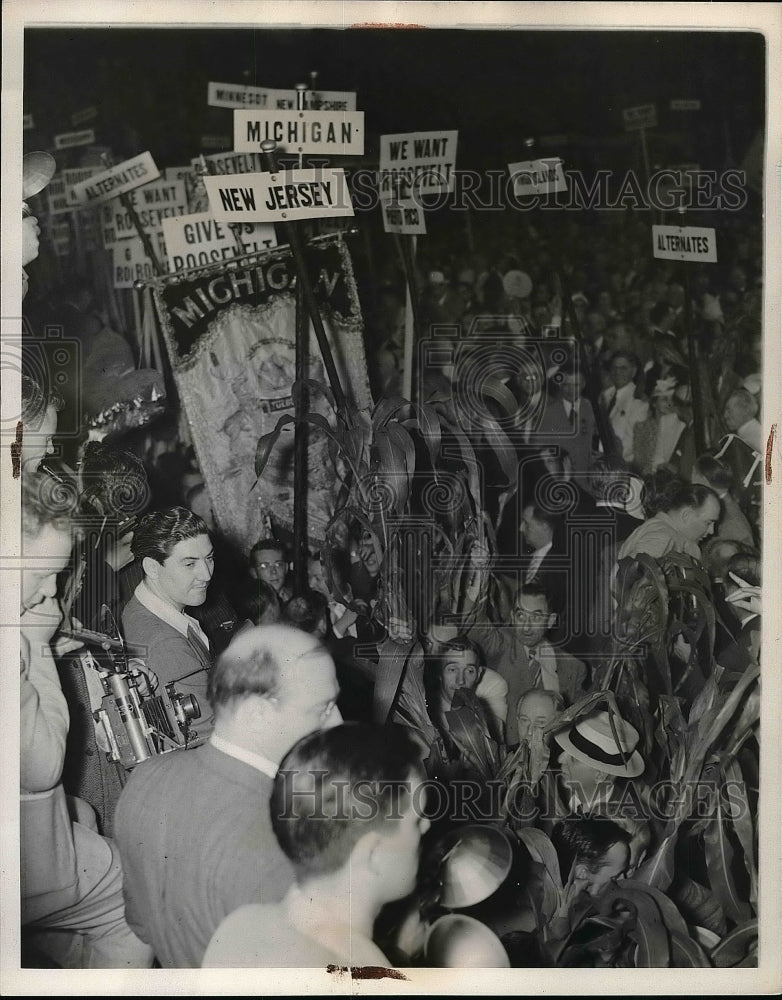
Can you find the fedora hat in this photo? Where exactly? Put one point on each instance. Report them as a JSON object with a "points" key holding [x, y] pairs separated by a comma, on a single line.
{"points": [[37, 170], [592, 742]]}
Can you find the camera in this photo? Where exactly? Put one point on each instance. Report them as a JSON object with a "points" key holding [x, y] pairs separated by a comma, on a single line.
{"points": [[138, 726]]}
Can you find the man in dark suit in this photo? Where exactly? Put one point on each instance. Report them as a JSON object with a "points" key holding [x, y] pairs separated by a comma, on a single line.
{"points": [[177, 558], [193, 826], [567, 419]]}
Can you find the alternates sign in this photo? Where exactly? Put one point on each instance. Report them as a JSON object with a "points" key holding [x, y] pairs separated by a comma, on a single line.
{"points": [[153, 202], [117, 180], [337, 133], [232, 95], [404, 216], [197, 240], [643, 116], [74, 177], [538, 176], [281, 197], [685, 243], [683, 104], [417, 161], [67, 139]]}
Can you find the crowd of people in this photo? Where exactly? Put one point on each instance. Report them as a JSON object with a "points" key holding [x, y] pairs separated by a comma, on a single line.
{"points": [[327, 745]]}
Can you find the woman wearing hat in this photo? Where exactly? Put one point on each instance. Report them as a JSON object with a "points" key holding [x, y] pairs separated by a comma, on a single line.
{"points": [[654, 439]]}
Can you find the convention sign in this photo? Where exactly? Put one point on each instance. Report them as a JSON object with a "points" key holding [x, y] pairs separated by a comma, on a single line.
{"points": [[312, 193], [233, 95], [404, 216], [232, 163], [692, 243], [684, 104], [642, 116], [538, 176], [336, 133], [198, 240], [130, 263], [85, 115], [423, 162], [123, 177], [230, 336], [153, 202], [73, 177], [65, 140], [56, 196]]}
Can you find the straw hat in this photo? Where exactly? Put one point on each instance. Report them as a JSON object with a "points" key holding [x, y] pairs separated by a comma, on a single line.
{"points": [[592, 742], [37, 170]]}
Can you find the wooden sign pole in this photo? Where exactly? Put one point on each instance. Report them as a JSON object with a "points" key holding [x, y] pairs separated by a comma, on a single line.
{"points": [[698, 422], [127, 204]]}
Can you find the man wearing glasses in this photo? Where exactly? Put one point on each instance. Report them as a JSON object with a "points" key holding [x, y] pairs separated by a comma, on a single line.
{"points": [[268, 563], [523, 656], [193, 827]]}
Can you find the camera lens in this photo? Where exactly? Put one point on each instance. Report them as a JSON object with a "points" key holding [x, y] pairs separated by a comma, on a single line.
{"points": [[190, 707]]}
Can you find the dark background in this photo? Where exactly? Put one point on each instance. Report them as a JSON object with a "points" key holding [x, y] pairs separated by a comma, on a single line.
{"points": [[495, 86]]}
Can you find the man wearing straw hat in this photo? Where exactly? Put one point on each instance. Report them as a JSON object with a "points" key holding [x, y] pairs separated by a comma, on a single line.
{"points": [[598, 761], [594, 755], [37, 170]]}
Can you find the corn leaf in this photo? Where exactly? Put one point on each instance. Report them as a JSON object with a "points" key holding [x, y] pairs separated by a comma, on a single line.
{"points": [[686, 953], [742, 823], [649, 931], [719, 859], [658, 870], [699, 905], [734, 948], [392, 660], [267, 442]]}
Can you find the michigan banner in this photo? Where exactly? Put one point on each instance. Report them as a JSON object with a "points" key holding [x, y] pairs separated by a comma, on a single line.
{"points": [[230, 334]]}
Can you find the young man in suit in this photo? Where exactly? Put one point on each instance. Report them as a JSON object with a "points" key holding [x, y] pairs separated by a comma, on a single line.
{"points": [[176, 555], [621, 404]]}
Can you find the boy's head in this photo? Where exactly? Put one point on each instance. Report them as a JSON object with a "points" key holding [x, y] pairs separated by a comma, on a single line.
{"points": [[268, 563]]}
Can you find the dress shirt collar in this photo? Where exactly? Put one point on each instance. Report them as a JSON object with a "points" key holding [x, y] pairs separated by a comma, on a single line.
{"points": [[256, 760], [169, 614]]}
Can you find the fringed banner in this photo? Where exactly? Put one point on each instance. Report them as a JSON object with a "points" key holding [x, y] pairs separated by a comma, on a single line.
{"points": [[230, 335]]}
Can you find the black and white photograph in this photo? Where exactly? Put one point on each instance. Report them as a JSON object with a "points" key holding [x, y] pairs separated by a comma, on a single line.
{"points": [[390, 477]]}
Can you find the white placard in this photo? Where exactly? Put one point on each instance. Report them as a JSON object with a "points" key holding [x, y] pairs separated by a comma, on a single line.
{"points": [[130, 263], [538, 176], [199, 239], [56, 197], [642, 116], [684, 104], [282, 197], [232, 163], [153, 203], [85, 115], [403, 216], [691, 243], [65, 140], [234, 95], [337, 133], [419, 161], [117, 180]]}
